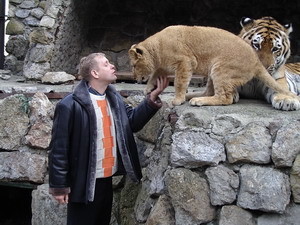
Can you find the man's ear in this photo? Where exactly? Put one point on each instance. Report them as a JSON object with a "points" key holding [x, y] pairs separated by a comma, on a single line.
{"points": [[94, 74], [135, 53]]}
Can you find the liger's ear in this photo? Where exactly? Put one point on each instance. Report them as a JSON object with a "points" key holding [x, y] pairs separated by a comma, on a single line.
{"points": [[135, 52]]}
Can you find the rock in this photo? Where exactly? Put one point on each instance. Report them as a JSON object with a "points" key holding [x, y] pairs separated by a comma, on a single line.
{"points": [[40, 35], [17, 46], [223, 185], [162, 213], [286, 145], [41, 53], [143, 204], [263, 188], [47, 22], [41, 115], [14, 27], [22, 166], [45, 209], [14, 121], [252, 144], [35, 71], [192, 149], [57, 78], [233, 215], [189, 197], [290, 217], [295, 179]]}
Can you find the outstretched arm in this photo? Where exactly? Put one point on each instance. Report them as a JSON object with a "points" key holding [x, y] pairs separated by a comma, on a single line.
{"points": [[142, 113], [161, 83]]}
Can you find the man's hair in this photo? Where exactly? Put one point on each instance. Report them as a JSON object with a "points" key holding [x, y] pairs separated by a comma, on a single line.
{"points": [[87, 64]]}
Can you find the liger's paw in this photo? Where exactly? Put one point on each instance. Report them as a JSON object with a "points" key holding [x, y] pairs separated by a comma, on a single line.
{"points": [[286, 103], [178, 101], [196, 102], [148, 89]]}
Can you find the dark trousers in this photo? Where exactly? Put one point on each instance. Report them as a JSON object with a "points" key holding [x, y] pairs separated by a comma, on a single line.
{"points": [[97, 212]]}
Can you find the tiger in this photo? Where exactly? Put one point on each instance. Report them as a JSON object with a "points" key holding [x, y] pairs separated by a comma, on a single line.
{"points": [[270, 40]]}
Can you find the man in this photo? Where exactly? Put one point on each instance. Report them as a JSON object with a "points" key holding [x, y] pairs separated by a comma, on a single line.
{"points": [[92, 140]]}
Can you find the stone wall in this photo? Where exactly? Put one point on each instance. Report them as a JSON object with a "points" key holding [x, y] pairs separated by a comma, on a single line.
{"points": [[52, 35], [226, 165]]}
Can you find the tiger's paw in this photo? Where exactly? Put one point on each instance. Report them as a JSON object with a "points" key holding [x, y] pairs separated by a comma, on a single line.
{"points": [[286, 103], [236, 97]]}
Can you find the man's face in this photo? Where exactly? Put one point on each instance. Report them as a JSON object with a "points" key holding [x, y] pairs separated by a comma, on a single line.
{"points": [[105, 69]]}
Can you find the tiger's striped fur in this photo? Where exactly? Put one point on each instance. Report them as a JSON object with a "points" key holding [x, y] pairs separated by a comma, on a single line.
{"points": [[271, 41], [292, 72]]}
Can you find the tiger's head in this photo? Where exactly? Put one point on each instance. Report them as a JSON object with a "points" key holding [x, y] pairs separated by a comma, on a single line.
{"points": [[270, 39]]}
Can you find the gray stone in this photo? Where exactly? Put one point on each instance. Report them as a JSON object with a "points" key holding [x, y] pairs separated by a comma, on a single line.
{"points": [[14, 27], [193, 119], [11, 11], [16, 1], [37, 13], [286, 145], [152, 129], [12, 63], [22, 166], [158, 163], [40, 35], [29, 4], [47, 21], [45, 209], [52, 11], [35, 71], [290, 217], [41, 114], [195, 149], [143, 203], [295, 179], [233, 215], [252, 144], [5, 74], [263, 188], [32, 21], [223, 185], [22, 13], [162, 213], [18, 46], [14, 121], [57, 78], [41, 53], [189, 197]]}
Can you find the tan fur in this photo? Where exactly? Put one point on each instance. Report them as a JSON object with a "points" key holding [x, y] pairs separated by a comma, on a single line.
{"points": [[226, 59]]}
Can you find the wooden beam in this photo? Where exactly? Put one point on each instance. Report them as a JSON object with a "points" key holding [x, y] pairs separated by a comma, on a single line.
{"points": [[125, 75], [50, 95]]}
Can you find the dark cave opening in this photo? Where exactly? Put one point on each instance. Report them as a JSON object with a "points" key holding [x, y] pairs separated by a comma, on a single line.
{"points": [[16, 205]]}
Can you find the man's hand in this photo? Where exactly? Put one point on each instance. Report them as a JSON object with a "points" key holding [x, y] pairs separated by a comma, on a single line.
{"points": [[62, 199], [161, 83]]}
